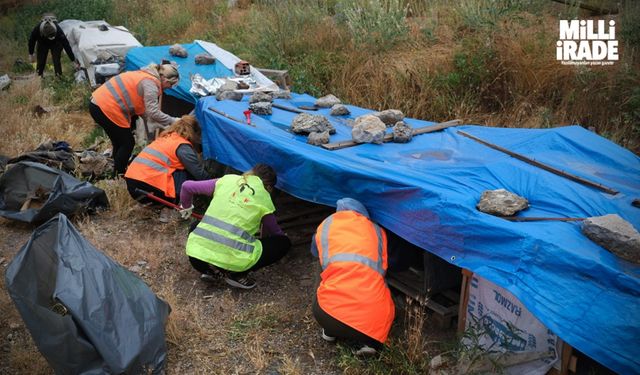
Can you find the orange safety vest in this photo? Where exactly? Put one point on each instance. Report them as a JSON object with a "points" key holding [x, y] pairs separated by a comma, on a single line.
{"points": [[353, 255], [156, 163], [118, 98]]}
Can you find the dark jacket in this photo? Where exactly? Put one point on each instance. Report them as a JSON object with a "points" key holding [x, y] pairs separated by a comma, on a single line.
{"points": [[44, 42]]}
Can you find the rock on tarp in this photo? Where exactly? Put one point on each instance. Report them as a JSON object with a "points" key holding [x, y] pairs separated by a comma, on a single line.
{"points": [[64, 193], [86, 313]]}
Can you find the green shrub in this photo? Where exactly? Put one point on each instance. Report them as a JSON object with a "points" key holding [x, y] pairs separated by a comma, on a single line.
{"points": [[375, 23]]}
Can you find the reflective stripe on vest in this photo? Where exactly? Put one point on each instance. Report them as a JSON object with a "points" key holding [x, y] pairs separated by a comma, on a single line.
{"points": [[157, 154], [127, 109], [228, 227], [223, 240], [149, 163], [346, 257]]}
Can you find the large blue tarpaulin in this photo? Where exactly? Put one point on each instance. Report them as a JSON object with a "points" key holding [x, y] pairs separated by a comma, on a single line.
{"points": [[426, 191], [140, 57]]}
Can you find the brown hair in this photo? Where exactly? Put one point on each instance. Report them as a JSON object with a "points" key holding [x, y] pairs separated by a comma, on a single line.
{"points": [[187, 127], [266, 173]]}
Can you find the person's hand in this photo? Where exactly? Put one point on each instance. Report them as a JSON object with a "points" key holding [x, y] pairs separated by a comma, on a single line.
{"points": [[76, 65], [185, 213], [32, 58]]}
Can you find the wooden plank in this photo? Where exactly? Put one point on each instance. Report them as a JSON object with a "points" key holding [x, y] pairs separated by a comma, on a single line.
{"points": [[565, 359], [540, 165], [287, 108], [464, 299], [389, 137], [226, 115], [513, 218]]}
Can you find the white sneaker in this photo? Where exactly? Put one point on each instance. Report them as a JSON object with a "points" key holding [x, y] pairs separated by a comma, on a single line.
{"points": [[327, 338], [366, 350]]}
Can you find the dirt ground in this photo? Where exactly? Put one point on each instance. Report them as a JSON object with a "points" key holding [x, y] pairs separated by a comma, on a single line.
{"points": [[213, 328]]}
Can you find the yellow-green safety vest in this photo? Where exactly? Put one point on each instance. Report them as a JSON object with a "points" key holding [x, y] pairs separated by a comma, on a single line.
{"points": [[225, 235]]}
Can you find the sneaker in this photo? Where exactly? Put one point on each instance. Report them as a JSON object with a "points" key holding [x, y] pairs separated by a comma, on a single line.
{"points": [[208, 277], [366, 350], [327, 338], [239, 281]]}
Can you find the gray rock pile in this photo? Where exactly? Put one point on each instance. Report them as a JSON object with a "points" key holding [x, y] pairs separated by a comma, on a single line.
{"points": [[368, 129], [260, 96], [204, 59], [614, 234], [327, 101], [178, 50], [226, 91], [305, 123], [339, 110], [389, 116], [402, 132], [318, 138], [261, 108], [501, 203]]}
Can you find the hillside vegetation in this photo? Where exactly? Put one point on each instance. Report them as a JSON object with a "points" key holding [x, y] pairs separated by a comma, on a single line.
{"points": [[488, 61]]}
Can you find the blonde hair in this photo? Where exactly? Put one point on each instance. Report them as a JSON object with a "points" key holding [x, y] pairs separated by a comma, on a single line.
{"points": [[167, 71], [187, 127]]}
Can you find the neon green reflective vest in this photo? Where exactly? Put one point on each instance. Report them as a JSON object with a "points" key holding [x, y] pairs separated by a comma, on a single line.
{"points": [[225, 235]]}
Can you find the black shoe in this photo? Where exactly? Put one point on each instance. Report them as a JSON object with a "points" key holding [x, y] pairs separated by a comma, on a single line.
{"points": [[239, 281]]}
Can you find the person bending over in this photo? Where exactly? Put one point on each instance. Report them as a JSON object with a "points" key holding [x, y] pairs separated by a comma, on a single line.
{"points": [[48, 36], [352, 302], [116, 105], [225, 241]]}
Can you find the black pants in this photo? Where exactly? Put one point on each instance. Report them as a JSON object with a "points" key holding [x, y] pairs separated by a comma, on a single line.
{"points": [[121, 138], [179, 177], [41, 57], [273, 249], [335, 328]]}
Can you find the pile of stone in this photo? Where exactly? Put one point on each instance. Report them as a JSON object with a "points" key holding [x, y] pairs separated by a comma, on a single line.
{"points": [[368, 129], [501, 202], [178, 50], [317, 127], [327, 101], [260, 103]]}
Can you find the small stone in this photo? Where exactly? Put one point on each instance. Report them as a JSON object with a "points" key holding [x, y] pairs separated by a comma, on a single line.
{"points": [[389, 116], [402, 132], [501, 203], [305, 123], [437, 361], [318, 138], [615, 235], [228, 85], [5, 81], [339, 110], [260, 96], [368, 129], [135, 269], [261, 108], [282, 94], [141, 263], [327, 101], [232, 95], [178, 50], [204, 59]]}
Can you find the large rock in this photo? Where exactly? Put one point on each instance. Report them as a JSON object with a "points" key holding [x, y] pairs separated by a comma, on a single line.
{"points": [[305, 123], [339, 110], [327, 101], [368, 129], [402, 132], [282, 94], [501, 203], [178, 50], [260, 108], [318, 139], [204, 59], [231, 95], [260, 96], [614, 234], [389, 116]]}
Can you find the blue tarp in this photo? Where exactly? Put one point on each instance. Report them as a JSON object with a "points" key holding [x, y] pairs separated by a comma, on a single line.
{"points": [[142, 56], [426, 192]]}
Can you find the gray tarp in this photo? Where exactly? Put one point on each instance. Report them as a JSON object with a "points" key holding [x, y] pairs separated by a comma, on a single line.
{"points": [[112, 322], [57, 191]]}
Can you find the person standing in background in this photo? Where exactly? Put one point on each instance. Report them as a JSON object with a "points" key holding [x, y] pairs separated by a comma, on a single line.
{"points": [[48, 36]]}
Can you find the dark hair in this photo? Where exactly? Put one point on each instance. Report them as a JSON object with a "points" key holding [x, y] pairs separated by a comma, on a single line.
{"points": [[266, 173]]}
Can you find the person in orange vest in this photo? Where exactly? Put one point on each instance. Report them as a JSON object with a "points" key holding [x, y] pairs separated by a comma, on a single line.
{"points": [[116, 105], [170, 160], [353, 301]]}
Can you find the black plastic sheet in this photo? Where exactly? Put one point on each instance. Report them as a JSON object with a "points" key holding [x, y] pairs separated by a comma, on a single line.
{"points": [[56, 191], [85, 312]]}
